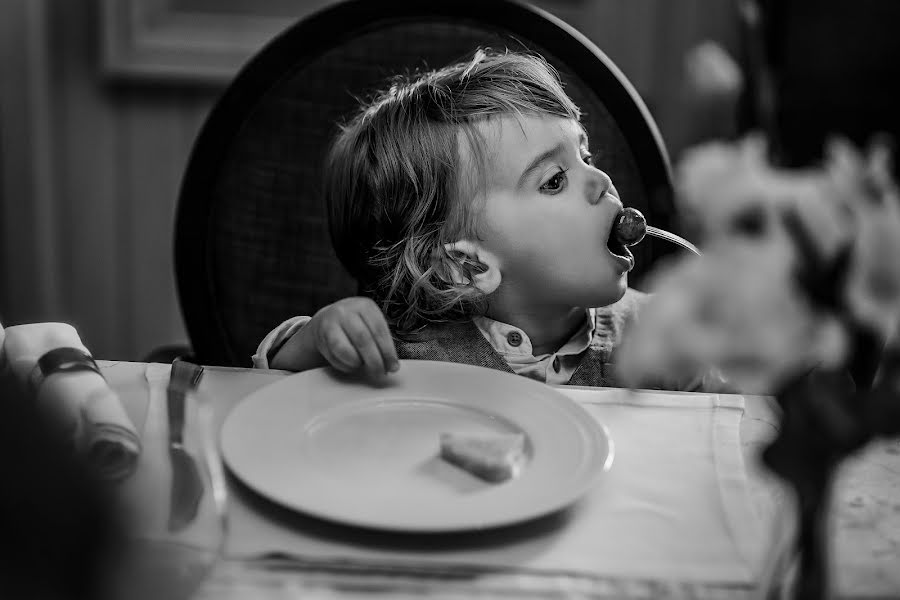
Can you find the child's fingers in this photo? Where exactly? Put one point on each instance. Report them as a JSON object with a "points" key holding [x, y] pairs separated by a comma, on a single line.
{"points": [[378, 326], [338, 350], [335, 362], [361, 338]]}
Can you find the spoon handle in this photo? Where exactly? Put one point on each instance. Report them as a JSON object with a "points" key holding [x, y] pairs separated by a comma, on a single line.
{"points": [[671, 237]]}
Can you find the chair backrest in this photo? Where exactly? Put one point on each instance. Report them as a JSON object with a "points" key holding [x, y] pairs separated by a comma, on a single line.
{"points": [[251, 242]]}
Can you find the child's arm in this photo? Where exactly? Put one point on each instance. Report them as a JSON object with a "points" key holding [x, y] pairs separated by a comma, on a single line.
{"points": [[351, 335]]}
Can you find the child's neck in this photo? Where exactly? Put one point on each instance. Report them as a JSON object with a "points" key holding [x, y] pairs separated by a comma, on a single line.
{"points": [[548, 330]]}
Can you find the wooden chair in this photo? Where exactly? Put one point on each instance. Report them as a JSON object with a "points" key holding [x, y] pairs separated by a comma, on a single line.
{"points": [[251, 243]]}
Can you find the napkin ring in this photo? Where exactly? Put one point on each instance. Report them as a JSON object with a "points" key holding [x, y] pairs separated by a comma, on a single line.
{"points": [[62, 360]]}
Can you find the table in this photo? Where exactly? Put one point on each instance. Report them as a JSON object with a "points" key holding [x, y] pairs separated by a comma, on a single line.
{"points": [[865, 521]]}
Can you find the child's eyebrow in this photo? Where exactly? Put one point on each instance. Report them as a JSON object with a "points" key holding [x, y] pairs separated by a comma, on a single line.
{"points": [[553, 152]]}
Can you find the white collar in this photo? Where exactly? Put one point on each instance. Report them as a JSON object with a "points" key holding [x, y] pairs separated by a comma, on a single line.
{"points": [[502, 337]]}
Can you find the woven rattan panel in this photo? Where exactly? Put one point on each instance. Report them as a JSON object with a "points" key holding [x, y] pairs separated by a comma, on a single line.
{"points": [[271, 255]]}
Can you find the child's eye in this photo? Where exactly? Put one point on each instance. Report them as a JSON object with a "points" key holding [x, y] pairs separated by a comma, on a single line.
{"points": [[556, 183], [587, 157]]}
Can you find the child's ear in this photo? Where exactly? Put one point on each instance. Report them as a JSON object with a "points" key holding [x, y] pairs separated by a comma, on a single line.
{"points": [[483, 267]]}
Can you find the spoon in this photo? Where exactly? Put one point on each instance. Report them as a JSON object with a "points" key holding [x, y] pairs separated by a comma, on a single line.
{"points": [[631, 227]]}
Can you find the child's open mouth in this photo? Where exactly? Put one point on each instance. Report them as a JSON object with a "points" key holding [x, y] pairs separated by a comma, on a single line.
{"points": [[619, 250]]}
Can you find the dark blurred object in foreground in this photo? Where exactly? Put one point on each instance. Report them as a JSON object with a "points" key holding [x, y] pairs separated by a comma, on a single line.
{"points": [[833, 67], [57, 523]]}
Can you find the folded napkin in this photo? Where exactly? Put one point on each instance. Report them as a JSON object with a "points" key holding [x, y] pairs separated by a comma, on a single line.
{"points": [[53, 364]]}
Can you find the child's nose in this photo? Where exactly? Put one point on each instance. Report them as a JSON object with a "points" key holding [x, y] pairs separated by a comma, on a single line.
{"points": [[602, 185]]}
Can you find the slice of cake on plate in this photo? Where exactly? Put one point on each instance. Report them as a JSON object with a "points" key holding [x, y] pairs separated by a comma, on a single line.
{"points": [[491, 457]]}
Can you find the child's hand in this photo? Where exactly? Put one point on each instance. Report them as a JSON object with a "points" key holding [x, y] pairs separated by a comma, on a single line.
{"points": [[351, 335]]}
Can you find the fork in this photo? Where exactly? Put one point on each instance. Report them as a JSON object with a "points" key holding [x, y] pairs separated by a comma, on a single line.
{"points": [[671, 237], [187, 482], [186, 376]]}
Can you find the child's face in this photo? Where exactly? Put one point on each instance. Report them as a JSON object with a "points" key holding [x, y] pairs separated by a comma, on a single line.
{"points": [[548, 215]]}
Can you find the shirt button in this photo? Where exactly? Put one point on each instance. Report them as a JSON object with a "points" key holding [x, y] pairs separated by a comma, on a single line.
{"points": [[514, 338], [556, 364]]}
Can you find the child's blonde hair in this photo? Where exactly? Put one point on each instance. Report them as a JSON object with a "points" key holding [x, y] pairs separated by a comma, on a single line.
{"points": [[398, 187]]}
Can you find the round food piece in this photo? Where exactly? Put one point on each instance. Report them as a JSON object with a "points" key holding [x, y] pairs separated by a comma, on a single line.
{"points": [[630, 227]]}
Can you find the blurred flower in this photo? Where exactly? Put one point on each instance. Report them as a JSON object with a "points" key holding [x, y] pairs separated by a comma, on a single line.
{"points": [[731, 190], [736, 310], [711, 71], [793, 261], [872, 292]]}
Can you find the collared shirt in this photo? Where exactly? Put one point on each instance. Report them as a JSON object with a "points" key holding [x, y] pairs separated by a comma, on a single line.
{"points": [[514, 346], [511, 343]]}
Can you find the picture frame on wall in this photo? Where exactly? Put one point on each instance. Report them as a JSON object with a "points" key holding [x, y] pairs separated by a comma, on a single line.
{"points": [[199, 41]]}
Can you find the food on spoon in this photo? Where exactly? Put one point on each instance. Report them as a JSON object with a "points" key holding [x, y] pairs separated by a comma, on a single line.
{"points": [[492, 457], [630, 227]]}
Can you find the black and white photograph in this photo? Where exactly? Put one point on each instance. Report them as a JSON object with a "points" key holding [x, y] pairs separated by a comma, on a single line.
{"points": [[449, 299]]}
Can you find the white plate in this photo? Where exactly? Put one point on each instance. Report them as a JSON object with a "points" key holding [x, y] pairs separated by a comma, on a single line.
{"points": [[343, 450]]}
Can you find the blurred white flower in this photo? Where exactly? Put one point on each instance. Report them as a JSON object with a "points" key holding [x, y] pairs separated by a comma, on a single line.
{"points": [[710, 70], [718, 181], [871, 197], [730, 189], [760, 305], [736, 310]]}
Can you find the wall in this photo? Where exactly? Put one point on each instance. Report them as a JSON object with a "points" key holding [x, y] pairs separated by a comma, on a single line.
{"points": [[90, 177], [90, 166]]}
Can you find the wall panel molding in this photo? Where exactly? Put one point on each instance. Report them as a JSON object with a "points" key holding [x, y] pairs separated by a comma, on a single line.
{"points": [[29, 220], [168, 41]]}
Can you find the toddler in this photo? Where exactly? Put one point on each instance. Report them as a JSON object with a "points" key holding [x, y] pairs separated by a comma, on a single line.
{"points": [[467, 205]]}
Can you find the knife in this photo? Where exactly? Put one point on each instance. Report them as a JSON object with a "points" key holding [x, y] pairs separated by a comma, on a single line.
{"points": [[187, 484]]}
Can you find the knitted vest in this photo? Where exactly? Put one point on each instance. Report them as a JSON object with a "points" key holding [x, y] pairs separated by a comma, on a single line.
{"points": [[464, 343]]}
